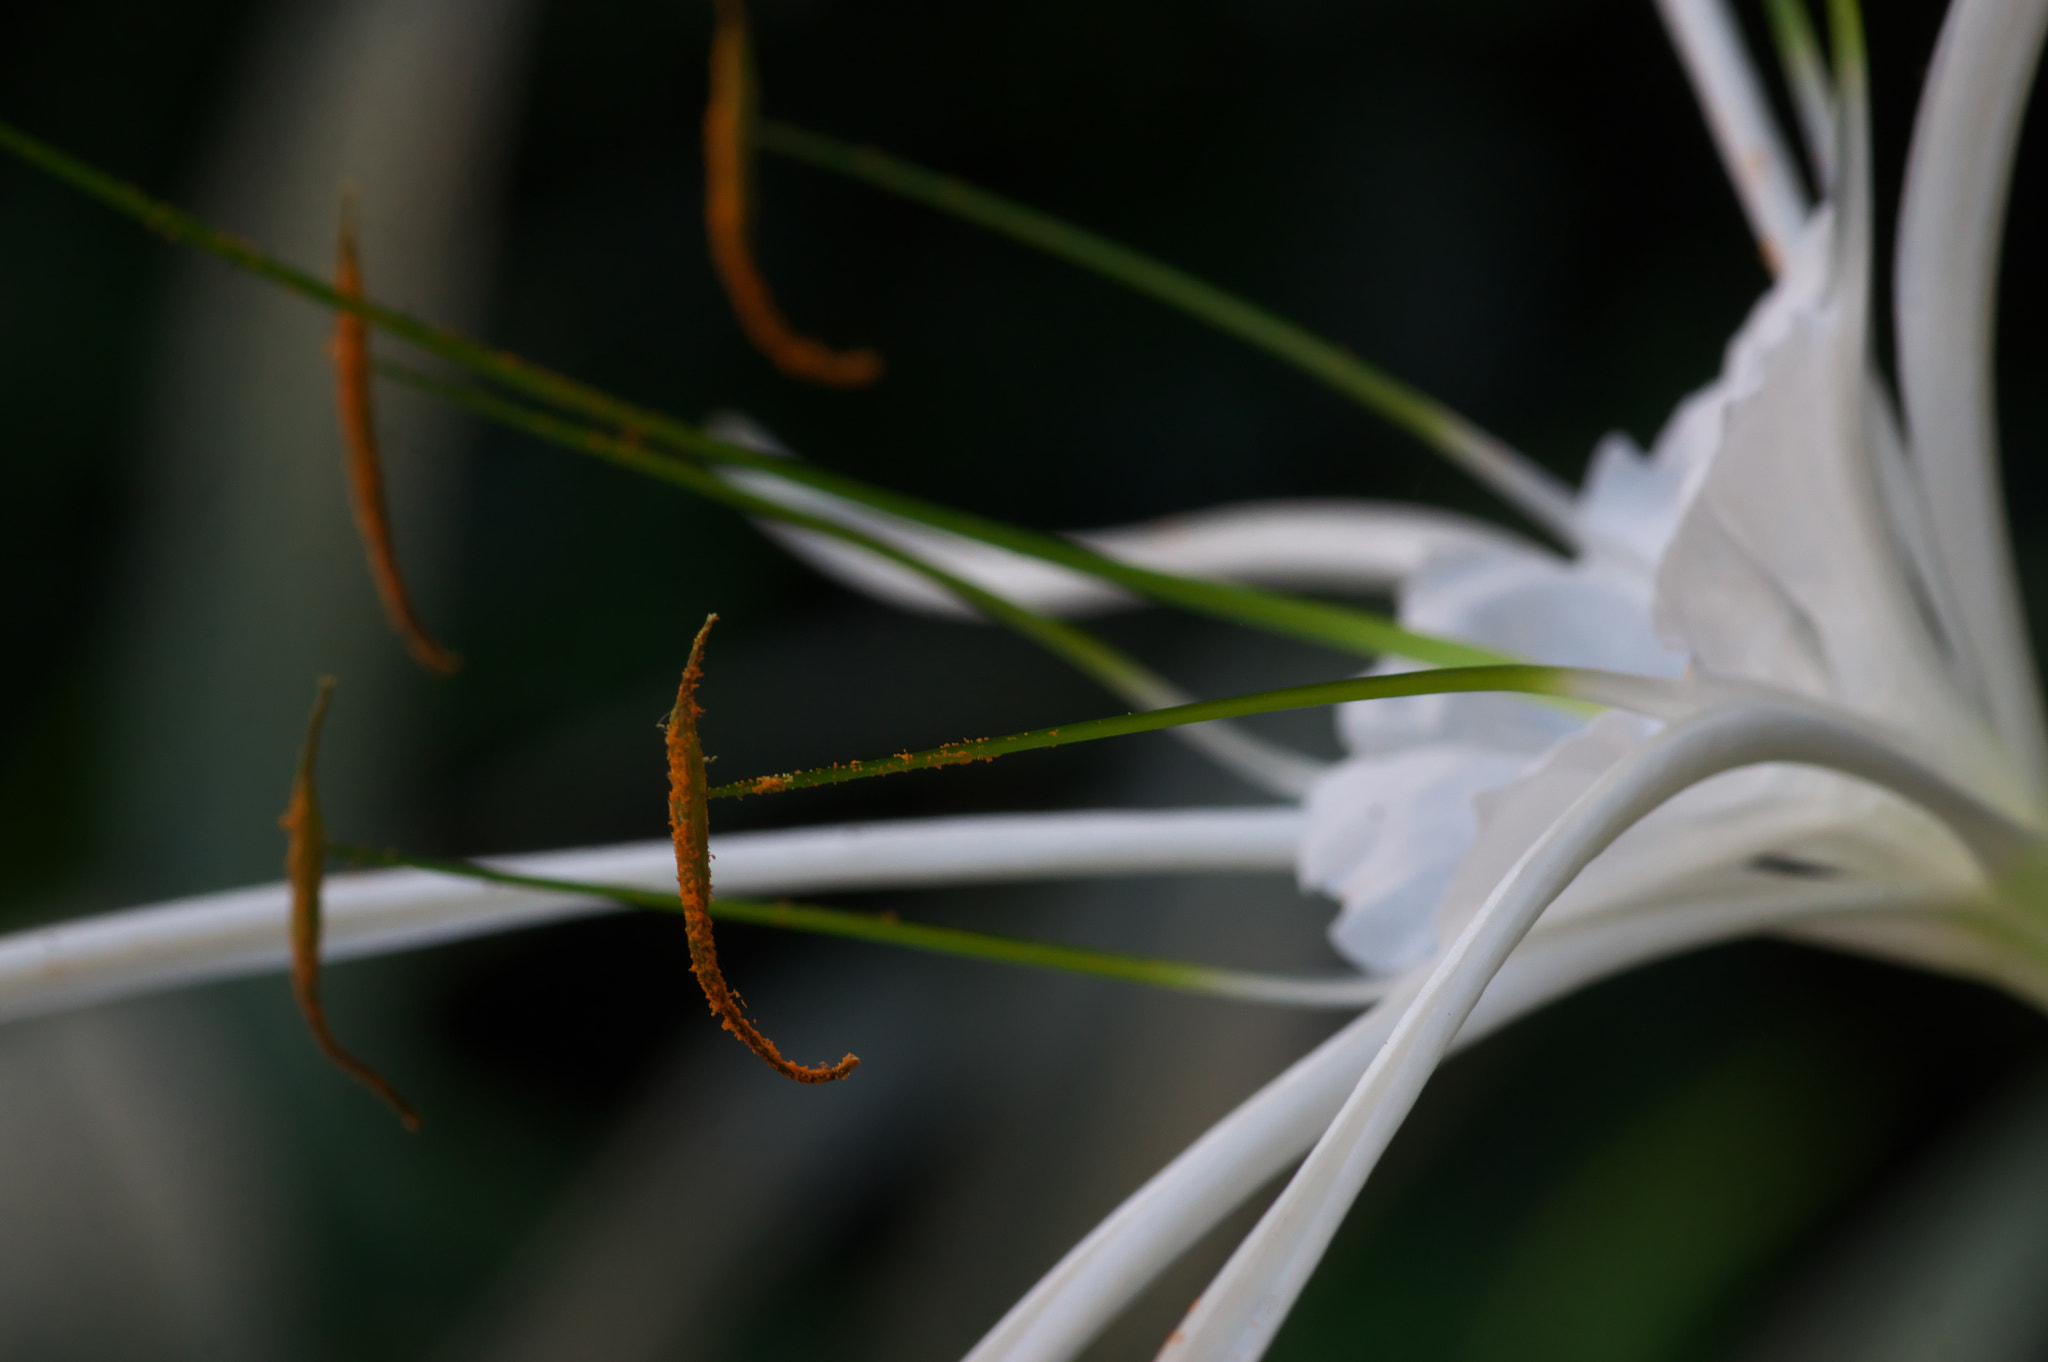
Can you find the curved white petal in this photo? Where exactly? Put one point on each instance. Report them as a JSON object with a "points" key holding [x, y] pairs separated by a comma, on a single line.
{"points": [[1023, 580], [1526, 604], [1236, 1318], [1384, 837], [1102, 1274], [1951, 224], [1754, 152], [1785, 568], [243, 931], [1739, 833], [1320, 545], [1990, 948], [1631, 502], [1358, 547], [1390, 826]]}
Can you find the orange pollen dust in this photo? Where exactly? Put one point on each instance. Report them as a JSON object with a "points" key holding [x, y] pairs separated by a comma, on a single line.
{"points": [[689, 824], [728, 218]]}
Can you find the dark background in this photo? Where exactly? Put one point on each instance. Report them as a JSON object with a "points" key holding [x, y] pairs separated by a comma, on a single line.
{"points": [[1513, 205]]}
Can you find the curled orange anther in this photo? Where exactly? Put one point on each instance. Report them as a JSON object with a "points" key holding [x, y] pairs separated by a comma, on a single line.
{"points": [[303, 861], [728, 218], [350, 350], [690, 826]]}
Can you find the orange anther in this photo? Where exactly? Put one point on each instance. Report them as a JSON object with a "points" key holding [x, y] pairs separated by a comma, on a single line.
{"points": [[304, 859], [350, 350], [689, 824], [728, 218]]}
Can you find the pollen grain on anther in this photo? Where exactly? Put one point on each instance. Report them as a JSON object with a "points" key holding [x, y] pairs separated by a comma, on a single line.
{"points": [[350, 350], [728, 217], [689, 825], [303, 864]]}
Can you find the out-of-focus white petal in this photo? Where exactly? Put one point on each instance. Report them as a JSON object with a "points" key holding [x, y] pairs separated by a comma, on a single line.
{"points": [[1752, 150], [1951, 222], [1632, 502], [1970, 945], [1274, 1127], [243, 931], [1527, 604], [1785, 568], [1533, 606], [1507, 820], [1383, 836], [1387, 829], [1238, 1314], [1752, 831], [1322, 545]]}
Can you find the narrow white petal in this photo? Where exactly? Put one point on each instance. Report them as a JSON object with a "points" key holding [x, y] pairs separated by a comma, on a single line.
{"points": [[1631, 502], [1102, 1274], [1721, 837], [1995, 949], [1310, 545], [1384, 836], [1592, 613], [1905, 509], [1759, 583], [1032, 584], [1752, 149], [1239, 1313], [243, 931], [1325, 545], [1951, 224]]}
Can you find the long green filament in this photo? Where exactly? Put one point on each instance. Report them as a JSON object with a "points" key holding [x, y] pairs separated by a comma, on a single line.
{"points": [[1526, 485], [1182, 976], [1352, 631], [1526, 680], [1315, 621]]}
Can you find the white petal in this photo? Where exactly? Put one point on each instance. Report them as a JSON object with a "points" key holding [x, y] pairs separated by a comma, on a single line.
{"points": [[243, 931], [1951, 222], [1745, 133], [1526, 604], [1237, 1316], [1321, 545], [1388, 827], [1721, 836], [1969, 945], [1510, 819], [1785, 569], [1383, 836], [1631, 503], [1274, 1127]]}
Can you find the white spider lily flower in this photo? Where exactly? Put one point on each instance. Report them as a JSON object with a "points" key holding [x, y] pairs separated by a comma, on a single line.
{"points": [[1788, 560], [1783, 535], [1852, 753]]}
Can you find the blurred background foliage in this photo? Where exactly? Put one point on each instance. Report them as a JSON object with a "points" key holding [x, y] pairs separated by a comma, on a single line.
{"points": [[1757, 1152]]}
